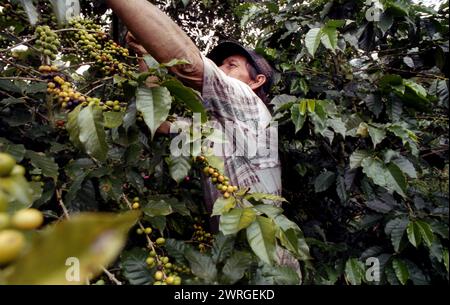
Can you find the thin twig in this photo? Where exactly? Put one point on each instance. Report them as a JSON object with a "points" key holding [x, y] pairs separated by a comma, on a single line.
{"points": [[24, 78], [149, 241], [96, 87], [61, 203], [111, 276], [16, 45]]}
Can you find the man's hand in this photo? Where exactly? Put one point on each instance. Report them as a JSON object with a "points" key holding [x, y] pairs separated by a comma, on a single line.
{"points": [[137, 47]]}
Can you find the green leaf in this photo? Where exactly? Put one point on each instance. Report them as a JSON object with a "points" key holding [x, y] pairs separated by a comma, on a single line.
{"points": [[375, 170], [295, 242], [416, 275], [92, 133], [297, 118], [285, 224], [235, 267], [201, 265], [95, 239], [150, 62], [395, 179], [311, 104], [374, 104], [440, 90], [335, 23], [236, 220], [390, 177], [338, 126], [376, 134], [18, 190], [134, 267], [324, 181], [276, 275], [405, 166], [37, 190], [73, 127], [312, 40], [216, 162], [283, 102], [426, 232], [157, 207], [341, 189], [222, 247], [187, 96], [179, 207], [414, 233], [395, 228], [354, 271], [261, 237], [154, 103], [113, 119], [445, 257], [268, 209], [329, 38], [46, 164], [175, 62], [176, 249], [406, 135], [401, 271], [386, 21], [382, 204], [416, 88], [357, 157], [260, 197], [223, 205], [179, 167], [158, 222], [17, 151]]}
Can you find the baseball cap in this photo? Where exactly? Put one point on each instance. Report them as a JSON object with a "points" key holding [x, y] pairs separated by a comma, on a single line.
{"points": [[228, 48]]}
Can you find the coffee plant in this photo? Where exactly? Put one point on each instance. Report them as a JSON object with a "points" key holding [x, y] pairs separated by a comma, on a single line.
{"points": [[361, 100]]}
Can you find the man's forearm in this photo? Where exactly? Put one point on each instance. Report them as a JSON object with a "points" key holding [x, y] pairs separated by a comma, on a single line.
{"points": [[161, 37]]}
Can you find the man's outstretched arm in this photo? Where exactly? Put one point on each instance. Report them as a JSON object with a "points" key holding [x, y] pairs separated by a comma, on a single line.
{"points": [[161, 37]]}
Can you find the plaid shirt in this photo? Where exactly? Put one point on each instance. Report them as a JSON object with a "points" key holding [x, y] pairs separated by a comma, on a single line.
{"points": [[250, 154]]}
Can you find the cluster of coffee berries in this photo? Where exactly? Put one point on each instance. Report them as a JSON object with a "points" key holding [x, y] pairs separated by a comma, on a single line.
{"points": [[203, 238], [88, 35], [12, 239], [107, 58], [67, 96], [113, 105], [135, 205], [165, 273], [12, 12], [221, 181], [147, 230], [47, 41], [95, 44]]}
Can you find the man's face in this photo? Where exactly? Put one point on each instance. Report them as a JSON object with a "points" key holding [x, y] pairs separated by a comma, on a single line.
{"points": [[236, 66]]}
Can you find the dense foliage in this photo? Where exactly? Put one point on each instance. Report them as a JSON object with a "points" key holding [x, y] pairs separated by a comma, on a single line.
{"points": [[363, 113], [361, 105]]}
